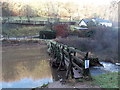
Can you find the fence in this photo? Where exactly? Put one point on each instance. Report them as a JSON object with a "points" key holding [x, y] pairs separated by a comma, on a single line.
{"points": [[25, 22], [31, 22], [69, 58]]}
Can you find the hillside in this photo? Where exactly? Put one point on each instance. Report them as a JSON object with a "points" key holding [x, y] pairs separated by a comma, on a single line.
{"points": [[67, 10]]}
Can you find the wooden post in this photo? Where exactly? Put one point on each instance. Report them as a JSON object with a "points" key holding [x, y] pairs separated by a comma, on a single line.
{"points": [[55, 49], [58, 56], [70, 67], [74, 53], [86, 71], [62, 62], [63, 58], [52, 49]]}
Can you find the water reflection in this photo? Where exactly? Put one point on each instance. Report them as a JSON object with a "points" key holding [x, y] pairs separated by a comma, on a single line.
{"points": [[24, 67], [28, 66], [26, 82]]}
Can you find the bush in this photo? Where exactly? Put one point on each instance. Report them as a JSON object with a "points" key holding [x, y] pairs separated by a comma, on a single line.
{"points": [[47, 34], [104, 44], [61, 30]]}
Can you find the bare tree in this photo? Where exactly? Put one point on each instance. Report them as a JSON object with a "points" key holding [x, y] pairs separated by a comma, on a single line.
{"points": [[113, 11], [6, 12], [70, 8], [28, 12], [5, 9]]}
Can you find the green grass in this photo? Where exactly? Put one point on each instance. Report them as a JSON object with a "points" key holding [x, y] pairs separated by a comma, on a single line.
{"points": [[116, 28], [64, 20], [72, 27], [45, 85], [18, 31], [109, 80], [25, 18], [34, 18], [23, 31]]}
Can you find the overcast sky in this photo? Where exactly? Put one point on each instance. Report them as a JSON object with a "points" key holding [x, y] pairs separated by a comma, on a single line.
{"points": [[79, 1]]}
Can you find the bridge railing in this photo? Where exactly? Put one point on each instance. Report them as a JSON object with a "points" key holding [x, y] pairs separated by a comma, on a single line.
{"points": [[69, 58]]}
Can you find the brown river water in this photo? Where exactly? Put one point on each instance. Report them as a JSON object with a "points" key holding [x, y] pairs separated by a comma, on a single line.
{"points": [[25, 66]]}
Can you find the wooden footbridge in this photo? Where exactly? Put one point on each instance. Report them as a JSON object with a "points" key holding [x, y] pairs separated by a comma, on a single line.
{"points": [[71, 59]]}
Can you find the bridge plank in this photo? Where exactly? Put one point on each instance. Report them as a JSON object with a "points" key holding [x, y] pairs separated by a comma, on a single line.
{"points": [[78, 59], [78, 67], [76, 74]]}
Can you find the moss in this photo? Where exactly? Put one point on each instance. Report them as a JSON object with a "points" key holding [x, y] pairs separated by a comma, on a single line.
{"points": [[44, 85], [80, 80], [109, 80]]}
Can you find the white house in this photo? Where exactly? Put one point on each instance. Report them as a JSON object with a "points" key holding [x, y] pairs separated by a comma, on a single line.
{"points": [[94, 22], [82, 23], [102, 22]]}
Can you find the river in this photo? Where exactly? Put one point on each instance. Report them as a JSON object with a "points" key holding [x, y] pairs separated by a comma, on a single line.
{"points": [[27, 66]]}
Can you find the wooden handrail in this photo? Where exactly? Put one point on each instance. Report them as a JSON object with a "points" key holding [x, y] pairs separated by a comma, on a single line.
{"points": [[78, 59], [68, 54]]}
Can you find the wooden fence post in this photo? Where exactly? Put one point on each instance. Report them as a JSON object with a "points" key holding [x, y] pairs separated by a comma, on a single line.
{"points": [[86, 71], [63, 58], [62, 62], [74, 54], [54, 51], [70, 67]]}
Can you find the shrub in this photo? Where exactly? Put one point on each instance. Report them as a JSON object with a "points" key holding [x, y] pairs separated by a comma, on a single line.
{"points": [[47, 34], [61, 30], [104, 44]]}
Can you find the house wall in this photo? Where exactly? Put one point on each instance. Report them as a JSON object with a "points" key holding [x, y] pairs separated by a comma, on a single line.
{"points": [[82, 23], [107, 24]]}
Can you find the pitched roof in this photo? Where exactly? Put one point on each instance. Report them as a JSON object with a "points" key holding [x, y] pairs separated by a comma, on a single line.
{"points": [[87, 20], [101, 20], [96, 21]]}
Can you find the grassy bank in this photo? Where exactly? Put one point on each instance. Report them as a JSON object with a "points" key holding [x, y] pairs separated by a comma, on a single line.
{"points": [[25, 18], [36, 18], [21, 31], [6, 42], [109, 80]]}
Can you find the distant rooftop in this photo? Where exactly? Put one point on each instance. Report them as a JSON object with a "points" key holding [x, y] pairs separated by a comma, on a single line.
{"points": [[97, 21], [80, 28], [101, 20]]}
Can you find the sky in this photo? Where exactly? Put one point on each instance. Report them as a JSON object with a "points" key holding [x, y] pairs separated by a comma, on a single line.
{"points": [[78, 1]]}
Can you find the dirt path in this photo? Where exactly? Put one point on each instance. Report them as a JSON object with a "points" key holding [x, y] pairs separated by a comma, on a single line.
{"points": [[71, 84]]}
